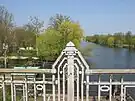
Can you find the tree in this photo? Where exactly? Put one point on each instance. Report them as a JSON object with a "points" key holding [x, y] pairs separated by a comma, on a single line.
{"points": [[35, 25], [49, 45], [6, 25], [70, 31], [24, 38], [110, 41], [128, 38], [118, 39], [133, 41], [55, 38], [56, 20]]}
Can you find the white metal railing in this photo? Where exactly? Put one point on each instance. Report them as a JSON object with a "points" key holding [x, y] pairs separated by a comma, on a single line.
{"points": [[9, 80], [27, 83], [70, 79], [106, 86]]}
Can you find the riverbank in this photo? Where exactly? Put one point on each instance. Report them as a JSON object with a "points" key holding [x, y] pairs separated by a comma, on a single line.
{"points": [[116, 45]]}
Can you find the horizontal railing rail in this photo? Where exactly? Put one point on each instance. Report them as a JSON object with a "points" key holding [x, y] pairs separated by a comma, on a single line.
{"points": [[53, 71], [110, 71]]}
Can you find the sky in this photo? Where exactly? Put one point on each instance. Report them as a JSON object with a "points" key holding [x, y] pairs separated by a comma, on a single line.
{"points": [[95, 16]]}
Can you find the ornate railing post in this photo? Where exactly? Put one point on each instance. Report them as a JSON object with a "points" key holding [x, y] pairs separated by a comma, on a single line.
{"points": [[70, 60], [72, 66]]}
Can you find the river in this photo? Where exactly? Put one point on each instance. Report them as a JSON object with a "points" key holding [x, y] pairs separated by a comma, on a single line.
{"points": [[117, 58]]}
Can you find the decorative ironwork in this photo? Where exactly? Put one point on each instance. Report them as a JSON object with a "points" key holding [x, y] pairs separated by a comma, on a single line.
{"points": [[66, 73], [104, 88], [75, 74], [39, 87], [72, 77]]}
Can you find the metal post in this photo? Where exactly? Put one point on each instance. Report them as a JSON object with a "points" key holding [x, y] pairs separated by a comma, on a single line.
{"points": [[122, 95], [82, 84], [14, 92], [35, 91], [3, 86], [24, 93], [87, 88], [70, 78], [64, 82], [53, 86], [77, 83], [58, 84], [26, 89], [12, 89], [44, 88], [110, 92], [99, 92]]}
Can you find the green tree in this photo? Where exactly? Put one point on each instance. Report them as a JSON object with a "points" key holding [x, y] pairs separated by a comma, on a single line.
{"points": [[133, 42], [110, 41], [70, 31], [57, 35], [128, 38], [118, 39], [24, 38], [49, 45]]}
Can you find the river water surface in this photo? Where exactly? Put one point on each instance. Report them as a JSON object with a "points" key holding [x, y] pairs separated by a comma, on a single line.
{"points": [[108, 58]]}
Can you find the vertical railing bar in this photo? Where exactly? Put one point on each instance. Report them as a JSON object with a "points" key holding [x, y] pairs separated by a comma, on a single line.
{"points": [[124, 93], [12, 89], [87, 88], [26, 88], [110, 92], [58, 84], [99, 91], [35, 91], [77, 83], [3, 87], [24, 93], [82, 84], [14, 92], [64, 84], [122, 88], [44, 88], [53, 86], [72, 76], [70, 83]]}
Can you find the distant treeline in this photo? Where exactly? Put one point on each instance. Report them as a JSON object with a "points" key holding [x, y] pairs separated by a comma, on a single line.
{"points": [[125, 40]]}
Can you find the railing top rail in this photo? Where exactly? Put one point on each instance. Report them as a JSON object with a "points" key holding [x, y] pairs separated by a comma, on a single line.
{"points": [[110, 71], [28, 71]]}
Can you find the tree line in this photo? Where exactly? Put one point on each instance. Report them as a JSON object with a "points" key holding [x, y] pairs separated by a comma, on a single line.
{"points": [[125, 40], [48, 42]]}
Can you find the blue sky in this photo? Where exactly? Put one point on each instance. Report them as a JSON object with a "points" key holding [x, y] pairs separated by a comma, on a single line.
{"points": [[95, 16]]}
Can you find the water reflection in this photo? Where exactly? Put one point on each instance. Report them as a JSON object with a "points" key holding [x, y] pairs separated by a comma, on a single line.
{"points": [[118, 58], [104, 57]]}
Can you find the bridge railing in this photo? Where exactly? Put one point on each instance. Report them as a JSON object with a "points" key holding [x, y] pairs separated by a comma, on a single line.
{"points": [[70, 79], [33, 87], [109, 84], [25, 84]]}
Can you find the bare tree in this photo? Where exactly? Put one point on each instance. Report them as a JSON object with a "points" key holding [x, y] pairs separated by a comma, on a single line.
{"points": [[6, 25], [35, 25]]}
